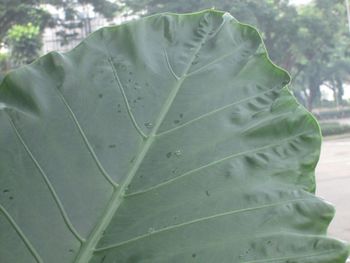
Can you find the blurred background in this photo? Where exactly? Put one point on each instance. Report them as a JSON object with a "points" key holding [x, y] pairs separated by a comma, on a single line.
{"points": [[309, 38]]}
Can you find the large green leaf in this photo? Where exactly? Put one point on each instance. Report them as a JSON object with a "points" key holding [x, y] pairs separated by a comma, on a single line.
{"points": [[169, 139]]}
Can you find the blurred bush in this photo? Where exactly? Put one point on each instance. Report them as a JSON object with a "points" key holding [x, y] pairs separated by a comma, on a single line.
{"points": [[332, 114], [25, 43], [333, 128]]}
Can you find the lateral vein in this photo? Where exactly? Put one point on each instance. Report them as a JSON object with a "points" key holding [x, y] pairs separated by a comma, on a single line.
{"points": [[86, 141], [237, 211], [88, 248], [48, 184], [231, 156], [121, 88], [216, 111], [25, 240]]}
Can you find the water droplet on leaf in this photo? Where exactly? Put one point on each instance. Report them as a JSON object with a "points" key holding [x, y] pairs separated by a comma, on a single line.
{"points": [[178, 153], [149, 125]]}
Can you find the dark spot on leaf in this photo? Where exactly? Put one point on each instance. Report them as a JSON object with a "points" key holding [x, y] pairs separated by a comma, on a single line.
{"points": [[11, 197], [134, 101], [139, 98], [228, 175], [194, 255], [112, 146], [207, 193], [176, 121], [71, 250], [129, 80], [181, 115], [168, 155], [118, 105], [100, 95], [103, 259], [6, 190], [148, 125]]}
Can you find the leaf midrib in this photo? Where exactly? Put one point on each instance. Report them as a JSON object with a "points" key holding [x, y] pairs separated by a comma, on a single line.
{"points": [[87, 250]]}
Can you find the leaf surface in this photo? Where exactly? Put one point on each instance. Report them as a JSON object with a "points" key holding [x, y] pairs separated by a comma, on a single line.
{"points": [[169, 139]]}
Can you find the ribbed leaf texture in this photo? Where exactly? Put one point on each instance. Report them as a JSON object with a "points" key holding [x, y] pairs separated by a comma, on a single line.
{"points": [[169, 139]]}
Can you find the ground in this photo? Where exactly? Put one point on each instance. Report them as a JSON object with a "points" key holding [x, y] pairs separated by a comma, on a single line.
{"points": [[333, 183]]}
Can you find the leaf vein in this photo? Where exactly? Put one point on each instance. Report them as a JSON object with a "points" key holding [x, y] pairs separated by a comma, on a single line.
{"points": [[165, 229], [216, 111], [86, 141], [169, 65], [25, 240], [133, 120], [87, 250], [213, 163], [48, 183], [223, 57]]}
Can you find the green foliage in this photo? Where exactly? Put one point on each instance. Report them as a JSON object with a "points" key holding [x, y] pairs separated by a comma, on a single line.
{"points": [[14, 12], [334, 128], [3, 61], [21, 25], [169, 139], [25, 43], [3, 64], [27, 19]]}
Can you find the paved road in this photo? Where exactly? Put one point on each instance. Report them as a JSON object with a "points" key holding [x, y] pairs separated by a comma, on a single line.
{"points": [[333, 183]]}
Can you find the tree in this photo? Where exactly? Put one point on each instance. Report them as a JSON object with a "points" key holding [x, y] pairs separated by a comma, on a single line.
{"points": [[21, 26], [22, 22], [75, 18], [25, 42], [19, 12], [320, 49]]}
